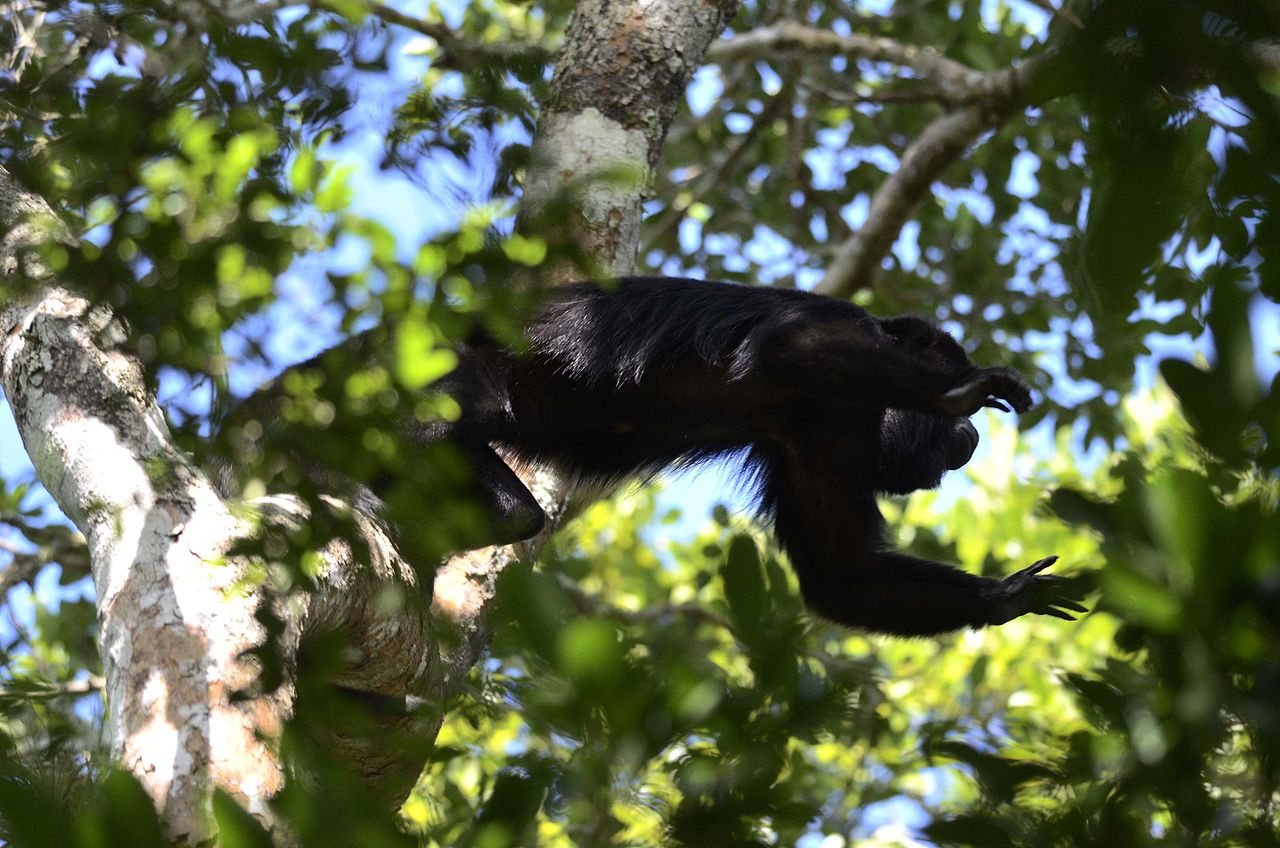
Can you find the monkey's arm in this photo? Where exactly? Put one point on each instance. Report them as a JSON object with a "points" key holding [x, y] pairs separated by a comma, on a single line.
{"points": [[890, 592], [852, 357], [833, 534]]}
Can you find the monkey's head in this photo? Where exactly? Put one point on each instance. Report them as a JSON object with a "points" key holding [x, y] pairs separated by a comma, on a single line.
{"points": [[917, 448], [928, 341]]}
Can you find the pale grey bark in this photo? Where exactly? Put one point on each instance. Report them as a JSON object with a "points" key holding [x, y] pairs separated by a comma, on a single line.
{"points": [[172, 622]]}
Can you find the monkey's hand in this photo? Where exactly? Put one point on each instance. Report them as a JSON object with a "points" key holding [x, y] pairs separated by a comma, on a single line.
{"points": [[993, 387], [1029, 591]]}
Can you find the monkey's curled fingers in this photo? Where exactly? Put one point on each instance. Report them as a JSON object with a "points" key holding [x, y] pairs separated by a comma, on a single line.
{"points": [[1029, 591], [987, 387]]}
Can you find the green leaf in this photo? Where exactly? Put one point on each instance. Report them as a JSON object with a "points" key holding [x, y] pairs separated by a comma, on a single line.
{"points": [[744, 586], [236, 828], [419, 361], [590, 653]]}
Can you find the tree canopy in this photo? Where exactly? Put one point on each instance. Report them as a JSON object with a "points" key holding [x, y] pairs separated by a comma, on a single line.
{"points": [[1086, 190]]}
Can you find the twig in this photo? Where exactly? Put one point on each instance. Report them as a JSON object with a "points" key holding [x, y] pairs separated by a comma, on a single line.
{"points": [[595, 605], [462, 53], [882, 97], [55, 543], [995, 96], [837, 665], [985, 99], [47, 689], [22, 568], [826, 202]]}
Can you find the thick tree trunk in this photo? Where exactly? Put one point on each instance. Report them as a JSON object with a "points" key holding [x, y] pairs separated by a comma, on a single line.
{"points": [[176, 615], [172, 623]]}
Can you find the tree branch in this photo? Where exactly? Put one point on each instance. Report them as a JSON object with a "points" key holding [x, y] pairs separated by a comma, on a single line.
{"points": [[153, 525], [466, 584], [32, 689], [996, 96], [886, 96], [617, 83], [792, 40], [858, 258], [985, 99], [715, 175], [461, 53], [979, 101], [55, 543]]}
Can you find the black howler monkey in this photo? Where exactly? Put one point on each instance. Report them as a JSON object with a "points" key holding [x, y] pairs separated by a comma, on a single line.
{"points": [[830, 405]]}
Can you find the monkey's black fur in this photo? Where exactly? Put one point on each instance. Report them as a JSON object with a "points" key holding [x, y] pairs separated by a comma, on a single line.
{"points": [[830, 406]]}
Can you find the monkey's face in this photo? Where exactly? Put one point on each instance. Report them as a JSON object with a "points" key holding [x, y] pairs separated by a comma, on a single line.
{"points": [[917, 448]]}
